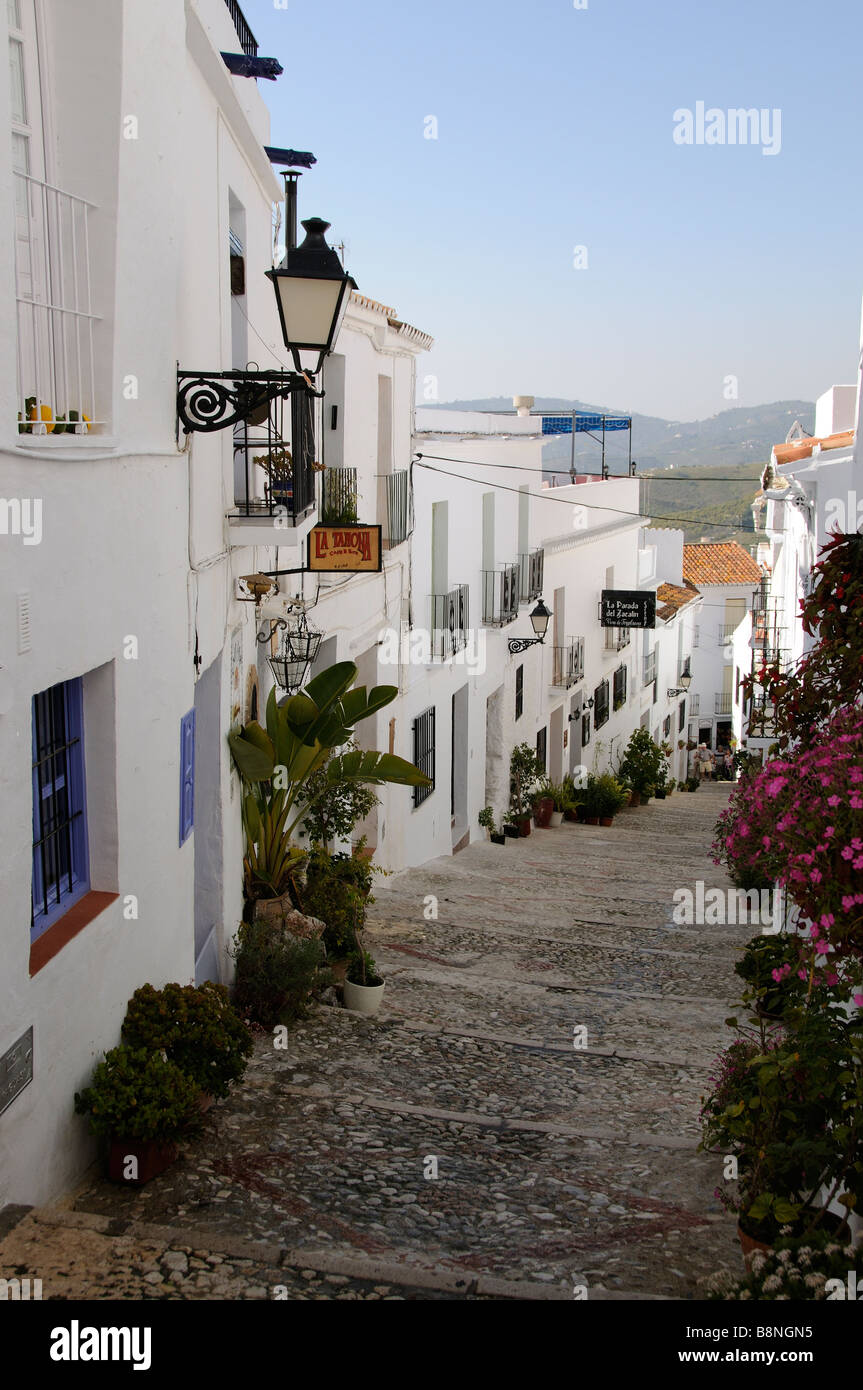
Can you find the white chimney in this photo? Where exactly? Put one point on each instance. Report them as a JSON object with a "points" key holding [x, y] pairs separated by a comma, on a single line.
{"points": [[523, 404]]}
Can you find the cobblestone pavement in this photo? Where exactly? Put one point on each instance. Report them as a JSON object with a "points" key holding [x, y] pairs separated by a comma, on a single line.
{"points": [[556, 1167]]}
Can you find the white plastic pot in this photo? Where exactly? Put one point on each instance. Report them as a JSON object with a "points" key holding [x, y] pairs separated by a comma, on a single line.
{"points": [[364, 999], [556, 818]]}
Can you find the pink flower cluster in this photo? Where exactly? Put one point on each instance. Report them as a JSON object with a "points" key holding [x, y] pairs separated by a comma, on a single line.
{"points": [[799, 820]]}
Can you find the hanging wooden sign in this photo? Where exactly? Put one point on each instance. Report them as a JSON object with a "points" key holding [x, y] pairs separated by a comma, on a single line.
{"points": [[345, 549]]}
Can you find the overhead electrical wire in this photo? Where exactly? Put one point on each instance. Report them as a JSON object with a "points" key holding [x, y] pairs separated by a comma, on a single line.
{"points": [[548, 495]]}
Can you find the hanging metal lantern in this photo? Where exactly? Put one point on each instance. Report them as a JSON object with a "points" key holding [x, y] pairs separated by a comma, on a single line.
{"points": [[300, 645]]}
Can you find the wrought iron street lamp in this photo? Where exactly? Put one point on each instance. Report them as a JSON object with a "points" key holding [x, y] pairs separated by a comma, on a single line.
{"points": [[685, 683], [312, 293], [539, 622]]}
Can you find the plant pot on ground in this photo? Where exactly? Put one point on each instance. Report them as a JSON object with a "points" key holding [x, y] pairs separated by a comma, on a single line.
{"points": [[524, 768], [277, 973], [642, 765], [364, 987], [140, 1105], [486, 820]]}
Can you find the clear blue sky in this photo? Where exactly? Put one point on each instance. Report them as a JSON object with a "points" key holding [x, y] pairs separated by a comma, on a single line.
{"points": [[555, 129]]}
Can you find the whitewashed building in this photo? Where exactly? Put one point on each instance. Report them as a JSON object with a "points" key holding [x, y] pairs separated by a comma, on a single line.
{"points": [[727, 577]]}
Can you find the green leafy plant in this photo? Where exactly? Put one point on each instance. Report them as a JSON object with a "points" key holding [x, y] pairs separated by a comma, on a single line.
{"points": [[276, 972], [334, 809], [643, 763], [197, 1029], [486, 818], [605, 795], [787, 1103], [302, 737], [524, 768], [137, 1094], [338, 891], [361, 968]]}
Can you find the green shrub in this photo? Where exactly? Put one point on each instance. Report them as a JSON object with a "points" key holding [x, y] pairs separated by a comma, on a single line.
{"points": [[486, 818], [196, 1028], [362, 969], [643, 763], [137, 1094], [334, 809], [276, 972], [338, 891], [809, 1268]]}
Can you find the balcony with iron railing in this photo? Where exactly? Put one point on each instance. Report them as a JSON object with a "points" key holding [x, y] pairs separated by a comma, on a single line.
{"points": [[338, 497], [248, 42], [567, 665], [694, 704], [616, 638], [274, 476], [648, 669], [727, 630], [723, 703], [449, 622], [500, 595], [531, 567], [397, 501], [761, 718]]}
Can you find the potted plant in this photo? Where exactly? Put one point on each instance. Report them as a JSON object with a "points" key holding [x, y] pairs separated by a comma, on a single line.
{"points": [[804, 1268], [499, 836], [196, 1028], [692, 784], [510, 826], [277, 972], [572, 801], [364, 987], [486, 820], [543, 804], [140, 1104], [642, 765], [524, 769], [607, 797]]}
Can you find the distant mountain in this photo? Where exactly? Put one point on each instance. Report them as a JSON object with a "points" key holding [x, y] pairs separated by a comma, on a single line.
{"points": [[742, 435]]}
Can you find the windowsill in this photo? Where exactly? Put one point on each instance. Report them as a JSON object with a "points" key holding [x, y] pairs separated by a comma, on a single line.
{"points": [[79, 916]]}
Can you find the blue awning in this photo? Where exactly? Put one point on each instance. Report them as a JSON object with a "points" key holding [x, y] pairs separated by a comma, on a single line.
{"points": [[584, 423]]}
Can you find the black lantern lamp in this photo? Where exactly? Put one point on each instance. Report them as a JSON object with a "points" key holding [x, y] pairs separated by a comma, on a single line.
{"points": [[539, 622], [300, 645], [312, 293], [685, 683]]}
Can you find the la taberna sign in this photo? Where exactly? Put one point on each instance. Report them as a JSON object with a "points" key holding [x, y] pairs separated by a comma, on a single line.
{"points": [[627, 608], [345, 549]]}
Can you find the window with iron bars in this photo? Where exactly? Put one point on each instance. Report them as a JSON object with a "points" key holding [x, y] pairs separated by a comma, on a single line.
{"points": [[620, 681], [519, 691], [531, 568], [424, 752], [397, 506], [542, 748], [649, 668], [600, 705], [61, 871]]}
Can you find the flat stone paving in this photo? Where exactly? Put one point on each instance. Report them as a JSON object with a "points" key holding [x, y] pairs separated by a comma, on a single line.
{"points": [[556, 1166]]}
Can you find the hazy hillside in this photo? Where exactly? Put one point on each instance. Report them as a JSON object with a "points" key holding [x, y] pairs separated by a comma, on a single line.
{"points": [[741, 435]]}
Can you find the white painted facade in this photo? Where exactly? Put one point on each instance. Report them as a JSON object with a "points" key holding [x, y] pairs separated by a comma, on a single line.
{"points": [[721, 660], [132, 109]]}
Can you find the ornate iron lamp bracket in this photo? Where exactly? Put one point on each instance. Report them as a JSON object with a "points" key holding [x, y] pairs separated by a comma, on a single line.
{"points": [[210, 401], [521, 644]]}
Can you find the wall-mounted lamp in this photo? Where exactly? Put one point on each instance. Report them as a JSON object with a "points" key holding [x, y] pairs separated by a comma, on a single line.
{"points": [[685, 683], [299, 647], [539, 622]]}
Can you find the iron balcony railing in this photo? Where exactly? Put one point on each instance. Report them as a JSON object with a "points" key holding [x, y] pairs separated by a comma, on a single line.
{"points": [[695, 704], [761, 721], [500, 589], [648, 675], [339, 497], [722, 704], [531, 566], [727, 630], [567, 667], [274, 477], [397, 506], [57, 388], [248, 42], [449, 622], [616, 638]]}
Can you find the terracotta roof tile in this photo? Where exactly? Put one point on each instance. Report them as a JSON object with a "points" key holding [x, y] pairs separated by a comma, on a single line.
{"points": [[802, 448], [725, 562], [673, 597]]}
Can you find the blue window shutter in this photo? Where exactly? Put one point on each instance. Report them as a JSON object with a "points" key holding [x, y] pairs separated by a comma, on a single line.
{"points": [[187, 775]]}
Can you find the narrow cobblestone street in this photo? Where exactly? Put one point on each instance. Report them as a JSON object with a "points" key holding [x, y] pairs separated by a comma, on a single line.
{"points": [[556, 1166]]}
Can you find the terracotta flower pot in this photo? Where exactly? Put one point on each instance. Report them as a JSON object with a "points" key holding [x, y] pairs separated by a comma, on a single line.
{"points": [[591, 820], [606, 820], [524, 827], [571, 815], [635, 798], [749, 1245], [151, 1157], [543, 812]]}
